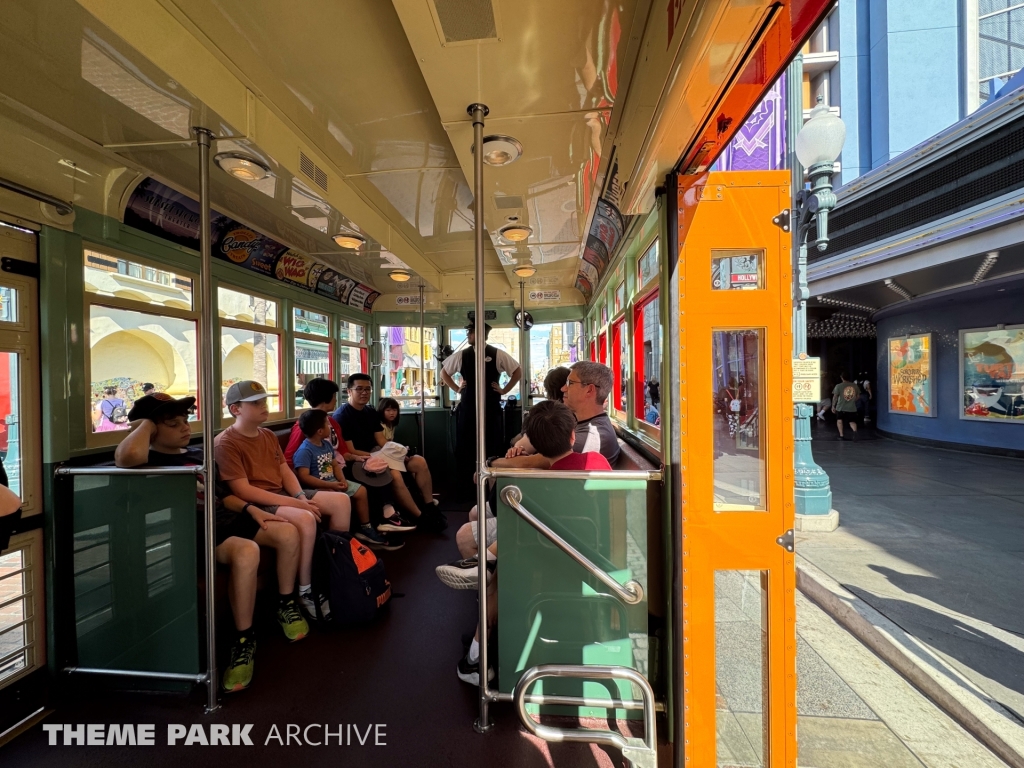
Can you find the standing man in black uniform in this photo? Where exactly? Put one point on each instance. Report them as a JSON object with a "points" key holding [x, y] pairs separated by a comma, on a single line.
{"points": [[463, 362]]}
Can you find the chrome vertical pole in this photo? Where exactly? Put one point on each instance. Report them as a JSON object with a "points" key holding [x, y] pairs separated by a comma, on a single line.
{"points": [[210, 403], [478, 113], [423, 386], [524, 357]]}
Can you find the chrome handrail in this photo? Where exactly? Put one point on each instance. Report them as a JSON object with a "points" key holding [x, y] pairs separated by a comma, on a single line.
{"points": [[638, 753], [630, 593], [565, 474], [64, 471]]}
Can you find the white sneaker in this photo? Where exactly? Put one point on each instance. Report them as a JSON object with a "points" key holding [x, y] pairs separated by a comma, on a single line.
{"points": [[309, 600]]}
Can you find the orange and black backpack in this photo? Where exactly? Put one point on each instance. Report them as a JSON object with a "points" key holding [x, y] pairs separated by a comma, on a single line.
{"points": [[351, 577]]}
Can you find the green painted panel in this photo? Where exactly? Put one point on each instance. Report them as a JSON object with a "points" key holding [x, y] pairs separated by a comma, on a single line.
{"points": [[135, 582], [551, 610]]}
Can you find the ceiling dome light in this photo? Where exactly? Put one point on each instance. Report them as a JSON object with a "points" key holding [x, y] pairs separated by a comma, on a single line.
{"points": [[349, 240], [399, 275], [241, 166], [525, 270], [515, 233], [500, 150]]}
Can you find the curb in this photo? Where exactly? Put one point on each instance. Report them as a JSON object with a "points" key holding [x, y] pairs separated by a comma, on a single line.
{"points": [[970, 708]]}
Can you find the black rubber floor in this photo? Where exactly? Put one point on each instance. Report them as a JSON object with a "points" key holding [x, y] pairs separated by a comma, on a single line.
{"points": [[399, 672]]}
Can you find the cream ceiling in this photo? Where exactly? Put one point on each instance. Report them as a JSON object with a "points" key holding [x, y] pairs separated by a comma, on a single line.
{"points": [[375, 94]]}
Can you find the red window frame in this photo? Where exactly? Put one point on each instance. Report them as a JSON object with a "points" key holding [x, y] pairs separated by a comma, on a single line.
{"points": [[619, 331], [640, 374], [602, 348], [593, 350]]}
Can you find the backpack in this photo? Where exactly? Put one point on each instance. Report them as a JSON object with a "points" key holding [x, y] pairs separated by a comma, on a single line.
{"points": [[119, 415], [351, 577]]}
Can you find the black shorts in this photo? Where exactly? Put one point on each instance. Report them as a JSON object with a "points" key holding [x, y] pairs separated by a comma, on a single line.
{"points": [[849, 417], [240, 524]]}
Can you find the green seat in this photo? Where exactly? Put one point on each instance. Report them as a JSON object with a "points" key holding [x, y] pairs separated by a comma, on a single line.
{"points": [[552, 610], [135, 572]]}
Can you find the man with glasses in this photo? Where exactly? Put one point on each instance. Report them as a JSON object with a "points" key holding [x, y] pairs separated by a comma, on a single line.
{"points": [[463, 362], [586, 392], [363, 434]]}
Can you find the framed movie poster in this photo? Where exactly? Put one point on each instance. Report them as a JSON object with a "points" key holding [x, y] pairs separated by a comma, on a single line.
{"points": [[910, 375], [992, 374]]}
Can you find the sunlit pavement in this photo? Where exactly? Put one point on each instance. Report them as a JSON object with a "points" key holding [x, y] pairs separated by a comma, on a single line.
{"points": [[853, 710], [934, 541]]}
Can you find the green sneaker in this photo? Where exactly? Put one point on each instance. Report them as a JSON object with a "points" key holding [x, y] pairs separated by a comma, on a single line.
{"points": [[291, 621], [238, 675]]}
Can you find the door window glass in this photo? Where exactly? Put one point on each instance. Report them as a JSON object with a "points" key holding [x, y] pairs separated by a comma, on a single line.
{"points": [[501, 338], [738, 452], [251, 356], [735, 271], [741, 668]]}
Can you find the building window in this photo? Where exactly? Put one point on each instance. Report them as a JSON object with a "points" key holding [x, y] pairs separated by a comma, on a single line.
{"points": [[1000, 44], [403, 352], [142, 330], [620, 369], [312, 352], [602, 349], [647, 340], [506, 339], [551, 346], [248, 350]]}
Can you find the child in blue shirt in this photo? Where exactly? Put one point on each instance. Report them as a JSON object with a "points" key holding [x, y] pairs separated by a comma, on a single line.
{"points": [[316, 469]]}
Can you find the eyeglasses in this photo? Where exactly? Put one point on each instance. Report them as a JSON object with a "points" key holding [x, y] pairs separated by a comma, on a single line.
{"points": [[362, 389], [570, 382]]}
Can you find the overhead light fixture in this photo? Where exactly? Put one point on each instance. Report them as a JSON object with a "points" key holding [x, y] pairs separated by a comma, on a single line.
{"points": [[525, 270], [500, 150], [242, 167], [986, 266], [898, 289], [399, 275], [515, 233], [349, 240]]}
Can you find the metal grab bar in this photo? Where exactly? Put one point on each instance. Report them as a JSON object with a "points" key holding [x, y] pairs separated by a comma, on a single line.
{"points": [[638, 753], [65, 471], [630, 593], [564, 474], [62, 207], [184, 676]]}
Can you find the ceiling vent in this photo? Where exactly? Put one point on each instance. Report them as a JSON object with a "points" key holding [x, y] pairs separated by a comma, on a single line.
{"points": [[312, 171], [461, 21], [508, 202]]}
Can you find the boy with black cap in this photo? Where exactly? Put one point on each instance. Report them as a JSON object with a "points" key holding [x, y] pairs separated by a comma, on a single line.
{"points": [[250, 461], [159, 437]]}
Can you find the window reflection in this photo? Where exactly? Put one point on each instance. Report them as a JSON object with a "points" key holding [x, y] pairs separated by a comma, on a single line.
{"points": [[738, 455], [649, 332]]}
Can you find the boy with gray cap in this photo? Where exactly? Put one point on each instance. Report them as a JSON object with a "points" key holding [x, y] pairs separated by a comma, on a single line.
{"points": [[251, 463]]}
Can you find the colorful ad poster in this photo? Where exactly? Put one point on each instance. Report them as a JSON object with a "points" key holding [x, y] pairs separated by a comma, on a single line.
{"points": [[159, 210], [910, 375], [992, 374], [605, 233]]}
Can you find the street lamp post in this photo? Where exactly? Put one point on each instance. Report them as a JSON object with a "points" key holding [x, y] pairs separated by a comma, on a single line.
{"points": [[815, 146]]}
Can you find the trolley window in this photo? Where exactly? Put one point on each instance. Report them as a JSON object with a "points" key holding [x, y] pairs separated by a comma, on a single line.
{"points": [[408, 364], [551, 346], [248, 350], [647, 351], [143, 330]]}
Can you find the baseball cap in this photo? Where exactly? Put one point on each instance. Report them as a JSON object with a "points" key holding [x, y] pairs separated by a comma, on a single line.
{"points": [[160, 405], [471, 326], [245, 392]]}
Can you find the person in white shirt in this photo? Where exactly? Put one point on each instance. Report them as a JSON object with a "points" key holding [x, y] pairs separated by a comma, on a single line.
{"points": [[463, 362]]}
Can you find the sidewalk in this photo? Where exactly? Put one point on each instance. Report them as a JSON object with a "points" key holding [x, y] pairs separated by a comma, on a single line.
{"points": [[853, 711], [934, 542]]}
